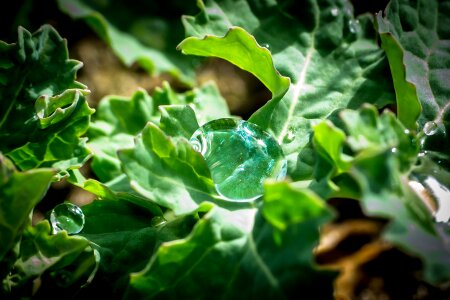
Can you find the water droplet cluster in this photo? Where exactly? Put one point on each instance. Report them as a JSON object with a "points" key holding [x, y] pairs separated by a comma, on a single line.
{"points": [[240, 156]]}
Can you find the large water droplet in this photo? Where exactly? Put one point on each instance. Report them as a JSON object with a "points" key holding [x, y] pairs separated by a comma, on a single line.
{"points": [[430, 128], [353, 26], [240, 156], [68, 217]]}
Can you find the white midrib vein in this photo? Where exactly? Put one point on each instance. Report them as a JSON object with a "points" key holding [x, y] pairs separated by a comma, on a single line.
{"points": [[298, 88]]}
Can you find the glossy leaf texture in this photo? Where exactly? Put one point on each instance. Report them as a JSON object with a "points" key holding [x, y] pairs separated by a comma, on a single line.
{"points": [[144, 34], [43, 110], [380, 154], [19, 194], [331, 58], [237, 253]]}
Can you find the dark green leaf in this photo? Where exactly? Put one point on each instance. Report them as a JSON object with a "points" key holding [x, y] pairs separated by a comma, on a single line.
{"points": [[126, 237], [19, 193], [43, 110]]}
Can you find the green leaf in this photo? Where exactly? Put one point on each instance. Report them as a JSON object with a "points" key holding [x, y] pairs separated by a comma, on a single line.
{"points": [[168, 171], [241, 49], [43, 110], [178, 120], [19, 194], [331, 58], [126, 237], [118, 120], [237, 252], [114, 190], [381, 156], [205, 100], [137, 33], [41, 250], [414, 35], [386, 193]]}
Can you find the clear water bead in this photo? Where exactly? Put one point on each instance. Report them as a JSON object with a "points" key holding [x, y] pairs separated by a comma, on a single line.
{"points": [[240, 156], [68, 217]]}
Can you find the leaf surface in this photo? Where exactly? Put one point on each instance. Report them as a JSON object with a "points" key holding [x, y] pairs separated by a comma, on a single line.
{"points": [[237, 252], [43, 110], [381, 156], [331, 58], [168, 171], [19, 194]]}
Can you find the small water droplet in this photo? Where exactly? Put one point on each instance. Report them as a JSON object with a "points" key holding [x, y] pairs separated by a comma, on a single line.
{"points": [[290, 136], [430, 128], [334, 11], [353, 26], [240, 156], [422, 154], [407, 132], [265, 45], [158, 221], [394, 150], [68, 217]]}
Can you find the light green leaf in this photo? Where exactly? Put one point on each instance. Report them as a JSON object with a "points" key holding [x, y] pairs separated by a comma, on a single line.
{"points": [[178, 120], [168, 171], [241, 49], [205, 100], [43, 110], [237, 252], [136, 33], [19, 194], [331, 58], [118, 120]]}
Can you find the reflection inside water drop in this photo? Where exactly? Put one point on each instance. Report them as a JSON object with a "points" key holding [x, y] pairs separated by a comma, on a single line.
{"points": [[334, 11], [430, 128], [68, 217], [353, 26], [240, 156]]}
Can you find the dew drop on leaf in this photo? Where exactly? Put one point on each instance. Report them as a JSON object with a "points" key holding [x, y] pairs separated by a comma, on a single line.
{"points": [[334, 11], [68, 217], [265, 45], [430, 128], [353, 26], [240, 156], [158, 221]]}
